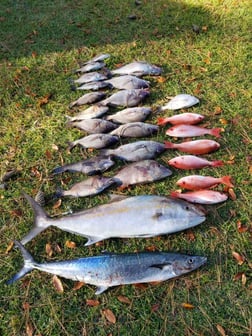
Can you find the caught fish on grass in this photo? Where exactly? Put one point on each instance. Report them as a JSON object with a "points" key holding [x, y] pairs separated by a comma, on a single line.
{"points": [[193, 162], [135, 130], [95, 86], [91, 66], [93, 126], [138, 68], [128, 82], [124, 217], [130, 114], [109, 270], [197, 182], [91, 77], [98, 58], [91, 186], [183, 118], [181, 131], [141, 172], [96, 141], [88, 98], [136, 151], [128, 98], [201, 196], [196, 147], [92, 166], [180, 101], [94, 111]]}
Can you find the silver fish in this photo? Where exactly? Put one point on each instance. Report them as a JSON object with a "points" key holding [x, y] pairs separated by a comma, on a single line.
{"points": [[91, 112], [131, 114], [91, 186], [98, 58], [93, 125], [92, 166], [138, 68], [128, 217], [91, 66], [97, 141], [180, 101], [94, 86], [128, 98], [136, 151], [112, 269], [135, 130], [128, 82], [88, 98], [91, 77], [141, 172]]}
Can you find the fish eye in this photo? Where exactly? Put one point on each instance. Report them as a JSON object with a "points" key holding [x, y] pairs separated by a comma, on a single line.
{"points": [[190, 261], [187, 208]]}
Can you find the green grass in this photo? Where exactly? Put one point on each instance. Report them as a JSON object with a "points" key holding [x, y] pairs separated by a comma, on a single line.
{"points": [[40, 44]]}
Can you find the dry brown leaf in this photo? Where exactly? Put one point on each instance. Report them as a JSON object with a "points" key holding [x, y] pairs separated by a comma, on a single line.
{"points": [[217, 110], [70, 244], [36, 173], [223, 121], [9, 247], [123, 299], [220, 330], [48, 154], [155, 307], [241, 228], [34, 54], [204, 28], [57, 204], [187, 305], [250, 170], [26, 306], [190, 235], [78, 285], [151, 248], [207, 60], [17, 213], [237, 276], [232, 194], [57, 284], [44, 100], [92, 303], [243, 279], [140, 285], [109, 315], [49, 250], [161, 79], [238, 257], [29, 329]]}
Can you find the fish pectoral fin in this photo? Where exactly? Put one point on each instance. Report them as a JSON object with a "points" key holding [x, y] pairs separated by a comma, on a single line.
{"points": [[160, 266], [93, 240], [100, 289], [116, 197]]}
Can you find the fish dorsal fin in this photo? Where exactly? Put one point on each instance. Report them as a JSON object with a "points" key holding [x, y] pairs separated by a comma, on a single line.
{"points": [[100, 289], [116, 197], [160, 266], [93, 240]]}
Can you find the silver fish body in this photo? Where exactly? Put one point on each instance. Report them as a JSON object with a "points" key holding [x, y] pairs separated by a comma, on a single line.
{"points": [[94, 111], [136, 151], [128, 98], [91, 66], [128, 217], [97, 85], [135, 130], [128, 82], [92, 166], [130, 114], [91, 186], [88, 98], [180, 101], [97, 141], [90, 77], [94, 125], [98, 58], [141, 172], [138, 68], [108, 270]]}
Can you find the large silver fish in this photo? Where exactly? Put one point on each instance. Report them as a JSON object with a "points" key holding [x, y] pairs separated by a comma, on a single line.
{"points": [[91, 77], [127, 98], [138, 68], [92, 166], [91, 66], [94, 86], [112, 269], [128, 82], [128, 217], [91, 186], [97, 141], [136, 151], [88, 98], [141, 172], [135, 130], [130, 114], [94, 125], [94, 111], [180, 101], [98, 58]]}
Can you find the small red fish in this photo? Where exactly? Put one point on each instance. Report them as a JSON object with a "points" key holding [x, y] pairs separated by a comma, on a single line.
{"points": [[194, 147], [181, 131], [201, 196], [197, 182], [193, 162], [183, 118]]}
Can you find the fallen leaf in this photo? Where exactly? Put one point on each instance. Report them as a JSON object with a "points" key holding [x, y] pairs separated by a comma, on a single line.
{"points": [[55, 147], [34, 54], [9, 247], [237, 276], [243, 279], [26, 306], [187, 305], [17, 213], [78, 285], [36, 173], [57, 284], [190, 235], [238, 257], [92, 303], [155, 307], [109, 315], [123, 299], [49, 250], [207, 61], [241, 228], [70, 244], [29, 329], [220, 330], [48, 154], [204, 28], [232, 194], [151, 248], [223, 121], [44, 100], [140, 285], [161, 79], [57, 204]]}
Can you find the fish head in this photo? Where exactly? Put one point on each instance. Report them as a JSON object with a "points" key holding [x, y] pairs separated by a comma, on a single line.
{"points": [[183, 264], [143, 93], [155, 70]]}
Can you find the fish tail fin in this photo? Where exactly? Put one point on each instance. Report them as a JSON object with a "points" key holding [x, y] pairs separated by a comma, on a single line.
{"points": [[71, 145], [168, 145], [161, 121], [29, 264], [58, 170], [217, 163], [59, 192], [174, 194], [216, 132], [227, 180], [41, 220]]}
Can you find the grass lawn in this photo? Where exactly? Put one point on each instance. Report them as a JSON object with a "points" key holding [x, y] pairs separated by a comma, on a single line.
{"points": [[204, 48]]}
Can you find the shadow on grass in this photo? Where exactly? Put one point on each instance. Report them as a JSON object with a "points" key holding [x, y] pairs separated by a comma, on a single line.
{"points": [[52, 26]]}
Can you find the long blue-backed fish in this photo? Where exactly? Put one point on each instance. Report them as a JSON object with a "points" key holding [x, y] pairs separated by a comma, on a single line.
{"points": [[124, 217], [112, 269]]}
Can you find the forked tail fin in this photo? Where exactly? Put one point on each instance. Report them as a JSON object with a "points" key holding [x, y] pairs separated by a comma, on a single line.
{"points": [[41, 220], [216, 132], [217, 163], [227, 180], [29, 264], [161, 121]]}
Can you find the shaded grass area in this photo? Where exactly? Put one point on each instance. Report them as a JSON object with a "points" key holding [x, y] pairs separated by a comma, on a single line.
{"points": [[37, 59]]}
